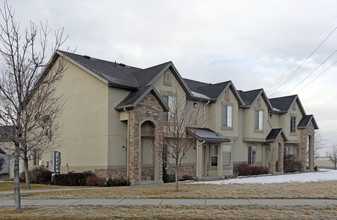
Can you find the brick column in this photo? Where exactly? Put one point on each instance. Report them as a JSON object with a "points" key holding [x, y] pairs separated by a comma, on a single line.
{"points": [[147, 109], [272, 161], [303, 149], [280, 157]]}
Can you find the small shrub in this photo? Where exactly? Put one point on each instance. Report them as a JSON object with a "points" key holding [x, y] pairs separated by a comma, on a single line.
{"points": [[72, 179], [119, 181], [290, 164], [95, 181], [245, 169], [315, 168], [38, 175]]}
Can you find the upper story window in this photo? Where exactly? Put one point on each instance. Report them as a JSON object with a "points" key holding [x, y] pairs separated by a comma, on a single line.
{"points": [[258, 122], [292, 124], [171, 103], [227, 115], [167, 78]]}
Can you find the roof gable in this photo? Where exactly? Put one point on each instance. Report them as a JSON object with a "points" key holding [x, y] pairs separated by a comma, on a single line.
{"points": [[136, 96], [305, 122], [211, 91], [283, 104], [274, 134], [250, 97]]}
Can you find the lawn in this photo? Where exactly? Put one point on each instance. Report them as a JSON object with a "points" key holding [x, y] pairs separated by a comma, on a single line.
{"points": [[8, 186], [324, 189], [172, 212]]}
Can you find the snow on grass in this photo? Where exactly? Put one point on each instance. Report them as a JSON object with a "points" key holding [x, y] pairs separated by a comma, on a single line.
{"points": [[321, 175]]}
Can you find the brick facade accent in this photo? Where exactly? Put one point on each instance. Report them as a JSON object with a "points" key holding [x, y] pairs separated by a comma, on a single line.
{"points": [[148, 109], [276, 164], [304, 133], [111, 172]]}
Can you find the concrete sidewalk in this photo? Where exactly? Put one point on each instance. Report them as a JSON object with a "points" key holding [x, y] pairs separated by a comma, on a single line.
{"points": [[110, 202]]}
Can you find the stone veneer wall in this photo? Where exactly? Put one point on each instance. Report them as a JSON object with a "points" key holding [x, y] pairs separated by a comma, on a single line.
{"points": [[111, 172], [309, 130], [148, 109]]}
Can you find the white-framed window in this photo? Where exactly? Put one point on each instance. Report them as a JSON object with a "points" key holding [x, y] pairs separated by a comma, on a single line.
{"points": [[214, 155], [227, 115], [292, 124], [171, 102], [251, 154], [258, 122]]}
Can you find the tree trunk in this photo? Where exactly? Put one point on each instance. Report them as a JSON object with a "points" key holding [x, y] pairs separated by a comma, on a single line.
{"points": [[176, 174], [176, 178], [26, 172], [17, 197]]}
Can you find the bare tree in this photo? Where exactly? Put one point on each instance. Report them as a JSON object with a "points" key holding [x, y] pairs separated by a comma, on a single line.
{"points": [[319, 144], [333, 155], [27, 88], [177, 141]]}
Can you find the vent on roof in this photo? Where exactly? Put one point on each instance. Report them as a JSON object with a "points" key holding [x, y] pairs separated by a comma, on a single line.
{"points": [[122, 64], [87, 57]]}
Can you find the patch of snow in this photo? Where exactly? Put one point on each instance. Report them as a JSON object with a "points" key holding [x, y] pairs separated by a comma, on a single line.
{"points": [[321, 175], [199, 95]]}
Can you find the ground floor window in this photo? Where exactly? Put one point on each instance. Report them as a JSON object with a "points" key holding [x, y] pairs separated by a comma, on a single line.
{"points": [[214, 155], [251, 155], [227, 158]]}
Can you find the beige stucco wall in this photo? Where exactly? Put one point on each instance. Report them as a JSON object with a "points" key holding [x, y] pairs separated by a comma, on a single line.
{"points": [[84, 121], [292, 137], [117, 129], [215, 115]]}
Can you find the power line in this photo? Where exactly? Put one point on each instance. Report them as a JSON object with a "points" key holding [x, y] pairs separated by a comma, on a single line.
{"points": [[318, 76], [314, 71], [312, 53], [308, 47]]}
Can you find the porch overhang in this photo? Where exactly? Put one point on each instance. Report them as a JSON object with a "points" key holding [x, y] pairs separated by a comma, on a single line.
{"points": [[274, 134], [207, 135]]}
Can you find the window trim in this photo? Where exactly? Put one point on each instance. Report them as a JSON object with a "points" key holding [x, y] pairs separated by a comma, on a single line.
{"points": [[292, 124], [258, 120], [214, 155], [231, 105], [251, 155]]}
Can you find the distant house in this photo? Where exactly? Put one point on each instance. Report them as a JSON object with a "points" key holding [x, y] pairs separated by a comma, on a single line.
{"points": [[109, 105], [4, 139]]}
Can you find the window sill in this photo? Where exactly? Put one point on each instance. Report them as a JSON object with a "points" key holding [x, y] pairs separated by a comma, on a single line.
{"points": [[227, 128], [258, 131]]}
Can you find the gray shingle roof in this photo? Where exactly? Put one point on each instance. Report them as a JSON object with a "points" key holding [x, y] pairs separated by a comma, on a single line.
{"points": [[146, 75], [206, 134], [136, 96], [249, 97], [283, 103], [114, 73], [305, 122], [274, 134], [211, 90]]}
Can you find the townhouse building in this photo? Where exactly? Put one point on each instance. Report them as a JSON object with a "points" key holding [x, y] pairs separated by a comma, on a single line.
{"points": [[113, 113]]}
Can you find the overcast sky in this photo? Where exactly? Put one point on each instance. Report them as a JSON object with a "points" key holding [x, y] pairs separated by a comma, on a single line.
{"points": [[273, 45]]}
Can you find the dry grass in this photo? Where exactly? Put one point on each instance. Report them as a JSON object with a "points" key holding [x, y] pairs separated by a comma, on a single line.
{"points": [[8, 186], [317, 190], [172, 212]]}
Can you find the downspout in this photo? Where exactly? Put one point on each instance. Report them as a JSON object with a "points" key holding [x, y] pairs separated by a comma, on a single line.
{"points": [[204, 113]]}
